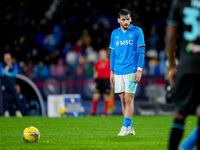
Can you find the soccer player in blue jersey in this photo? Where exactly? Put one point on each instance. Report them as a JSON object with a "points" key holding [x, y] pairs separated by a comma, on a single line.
{"points": [[126, 61]]}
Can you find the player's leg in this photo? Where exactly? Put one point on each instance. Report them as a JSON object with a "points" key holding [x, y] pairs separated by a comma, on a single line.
{"points": [[177, 130], [18, 106], [191, 141], [191, 99], [129, 110], [122, 99], [95, 99], [124, 128], [120, 89], [129, 102], [106, 98], [15, 100], [96, 96], [183, 97], [130, 91], [5, 98], [106, 94]]}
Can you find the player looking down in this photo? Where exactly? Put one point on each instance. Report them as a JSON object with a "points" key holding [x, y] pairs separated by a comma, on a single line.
{"points": [[126, 61]]}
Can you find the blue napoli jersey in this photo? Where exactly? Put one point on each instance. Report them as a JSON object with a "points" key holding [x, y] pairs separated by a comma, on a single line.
{"points": [[10, 72], [125, 47]]}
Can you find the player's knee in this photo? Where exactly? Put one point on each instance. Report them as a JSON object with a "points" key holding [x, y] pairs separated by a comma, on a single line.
{"points": [[106, 96], [129, 99], [96, 96], [122, 98]]}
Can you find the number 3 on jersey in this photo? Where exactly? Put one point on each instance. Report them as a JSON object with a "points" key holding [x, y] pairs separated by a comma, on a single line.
{"points": [[191, 18]]}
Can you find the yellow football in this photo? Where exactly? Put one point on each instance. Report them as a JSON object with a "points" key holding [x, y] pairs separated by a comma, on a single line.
{"points": [[31, 134]]}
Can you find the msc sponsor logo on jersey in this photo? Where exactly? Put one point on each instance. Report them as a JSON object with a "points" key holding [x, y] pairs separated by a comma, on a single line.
{"points": [[124, 42]]}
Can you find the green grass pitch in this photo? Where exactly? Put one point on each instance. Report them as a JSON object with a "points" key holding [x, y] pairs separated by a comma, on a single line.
{"points": [[89, 133]]}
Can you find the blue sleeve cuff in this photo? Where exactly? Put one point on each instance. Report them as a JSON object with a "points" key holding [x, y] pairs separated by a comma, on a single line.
{"points": [[141, 49], [171, 22]]}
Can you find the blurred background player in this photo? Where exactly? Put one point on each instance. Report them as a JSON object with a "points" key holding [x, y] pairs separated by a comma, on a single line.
{"points": [[102, 79], [8, 71], [126, 62], [23, 105], [183, 41]]}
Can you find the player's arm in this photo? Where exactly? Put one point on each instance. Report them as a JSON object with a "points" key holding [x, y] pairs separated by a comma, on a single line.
{"points": [[141, 55], [141, 51], [112, 63], [95, 74], [112, 60], [171, 38]]}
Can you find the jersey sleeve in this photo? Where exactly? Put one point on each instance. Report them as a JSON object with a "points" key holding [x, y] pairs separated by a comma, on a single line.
{"points": [[112, 59], [140, 39], [141, 57], [173, 14], [112, 41]]}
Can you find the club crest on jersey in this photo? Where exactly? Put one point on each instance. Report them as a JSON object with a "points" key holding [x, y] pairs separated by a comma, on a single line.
{"points": [[124, 42], [117, 43], [130, 35]]}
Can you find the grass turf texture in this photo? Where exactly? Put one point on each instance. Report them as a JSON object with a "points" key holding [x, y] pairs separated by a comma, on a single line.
{"points": [[89, 133]]}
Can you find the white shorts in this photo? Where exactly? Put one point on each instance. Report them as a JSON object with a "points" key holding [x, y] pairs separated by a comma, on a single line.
{"points": [[125, 83]]}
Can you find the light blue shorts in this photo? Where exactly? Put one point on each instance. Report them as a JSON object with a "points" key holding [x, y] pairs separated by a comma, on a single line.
{"points": [[125, 83]]}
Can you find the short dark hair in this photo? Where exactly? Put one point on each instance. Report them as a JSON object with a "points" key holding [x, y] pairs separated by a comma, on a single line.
{"points": [[124, 12]]}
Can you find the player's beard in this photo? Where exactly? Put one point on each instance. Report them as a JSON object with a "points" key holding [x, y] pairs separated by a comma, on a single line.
{"points": [[126, 26]]}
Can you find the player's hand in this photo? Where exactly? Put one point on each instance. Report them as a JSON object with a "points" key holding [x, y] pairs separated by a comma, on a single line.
{"points": [[172, 74], [112, 79], [138, 76]]}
